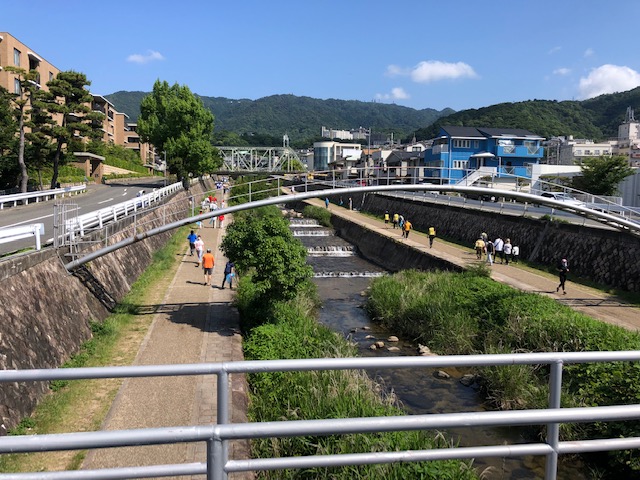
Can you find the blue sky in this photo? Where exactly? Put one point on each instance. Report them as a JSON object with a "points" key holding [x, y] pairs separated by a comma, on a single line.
{"points": [[415, 53]]}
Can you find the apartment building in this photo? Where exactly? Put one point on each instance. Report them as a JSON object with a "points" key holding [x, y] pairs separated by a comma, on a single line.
{"points": [[16, 54], [115, 127]]}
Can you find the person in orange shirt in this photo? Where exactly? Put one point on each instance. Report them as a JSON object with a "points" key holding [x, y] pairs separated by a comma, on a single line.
{"points": [[207, 266], [407, 228]]}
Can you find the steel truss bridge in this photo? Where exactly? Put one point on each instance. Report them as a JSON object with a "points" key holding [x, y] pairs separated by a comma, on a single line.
{"points": [[259, 159]]}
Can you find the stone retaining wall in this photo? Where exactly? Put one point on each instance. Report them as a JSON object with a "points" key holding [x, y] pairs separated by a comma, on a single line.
{"points": [[46, 312], [607, 257]]}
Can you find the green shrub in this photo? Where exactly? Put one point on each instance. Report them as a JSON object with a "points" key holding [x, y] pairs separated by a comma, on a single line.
{"points": [[321, 214]]}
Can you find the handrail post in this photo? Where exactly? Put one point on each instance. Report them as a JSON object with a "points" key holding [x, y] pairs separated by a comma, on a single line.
{"points": [[222, 417], [215, 460], [553, 429]]}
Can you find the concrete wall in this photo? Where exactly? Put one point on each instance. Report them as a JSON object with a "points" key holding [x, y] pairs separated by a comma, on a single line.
{"points": [[46, 312], [608, 257]]}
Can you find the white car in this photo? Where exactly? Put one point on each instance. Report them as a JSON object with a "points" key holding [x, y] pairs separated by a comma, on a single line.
{"points": [[563, 197]]}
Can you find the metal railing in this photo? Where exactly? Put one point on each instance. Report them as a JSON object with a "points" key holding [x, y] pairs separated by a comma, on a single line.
{"points": [[14, 198], [216, 437], [11, 234]]}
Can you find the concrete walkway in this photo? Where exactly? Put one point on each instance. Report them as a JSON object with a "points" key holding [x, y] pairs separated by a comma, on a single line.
{"points": [[194, 324], [592, 302]]}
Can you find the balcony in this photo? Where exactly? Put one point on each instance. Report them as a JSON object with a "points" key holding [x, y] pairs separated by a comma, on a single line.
{"points": [[519, 151]]}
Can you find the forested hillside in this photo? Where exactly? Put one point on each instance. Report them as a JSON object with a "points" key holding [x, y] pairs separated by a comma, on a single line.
{"points": [[302, 117], [299, 117]]}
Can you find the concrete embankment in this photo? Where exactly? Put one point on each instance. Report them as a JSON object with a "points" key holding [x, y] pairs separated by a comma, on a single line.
{"points": [[607, 257], [47, 312]]}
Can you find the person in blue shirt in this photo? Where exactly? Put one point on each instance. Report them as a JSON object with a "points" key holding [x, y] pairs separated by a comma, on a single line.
{"points": [[192, 242]]}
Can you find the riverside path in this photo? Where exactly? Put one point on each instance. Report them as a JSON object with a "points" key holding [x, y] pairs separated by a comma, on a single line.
{"points": [[589, 301], [195, 323]]}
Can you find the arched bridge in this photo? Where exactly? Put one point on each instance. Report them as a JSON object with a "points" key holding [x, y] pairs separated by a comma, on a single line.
{"points": [[608, 219]]}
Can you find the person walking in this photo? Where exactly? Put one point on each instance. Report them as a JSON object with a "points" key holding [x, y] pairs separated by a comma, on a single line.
{"points": [[199, 249], [499, 245], [396, 219], [563, 269], [432, 235], [220, 220], [191, 238], [490, 248], [208, 261], [515, 253], [350, 204], [229, 273], [326, 202], [407, 228], [507, 249], [479, 246], [386, 219], [401, 224]]}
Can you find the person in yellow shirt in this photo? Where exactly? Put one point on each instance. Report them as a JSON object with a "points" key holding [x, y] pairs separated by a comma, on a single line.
{"points": [[396, 219], [406, 227], [479, 248], [432, 235], [386, 219]]}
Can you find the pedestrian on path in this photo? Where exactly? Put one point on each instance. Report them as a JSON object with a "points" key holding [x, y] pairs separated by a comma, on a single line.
{"points": [[326, 202], [220, 220], [407, 228], [396, 219], [432, 235], [507, 249], [386, 218], [563, 269], [191, 238], [499, 244], [480, 248], [490, 248], [208, 261], [350, 204], [229, 273], [199, 249], [515, 253]]}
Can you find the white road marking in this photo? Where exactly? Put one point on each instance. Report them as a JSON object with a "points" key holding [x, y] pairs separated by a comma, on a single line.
{"points": [[32, 220], [105, 201]]}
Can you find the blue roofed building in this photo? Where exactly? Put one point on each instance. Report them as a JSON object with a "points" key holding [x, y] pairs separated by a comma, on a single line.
{"points": [[473, 155]]}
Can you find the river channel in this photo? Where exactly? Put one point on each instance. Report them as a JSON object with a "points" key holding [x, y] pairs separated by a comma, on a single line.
{"points": [[341, 276]]}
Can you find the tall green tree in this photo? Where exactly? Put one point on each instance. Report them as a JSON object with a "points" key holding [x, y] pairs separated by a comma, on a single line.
{"points": [[8, 166], [602, 175], [23, 100], [174, 120], [71, 101]]}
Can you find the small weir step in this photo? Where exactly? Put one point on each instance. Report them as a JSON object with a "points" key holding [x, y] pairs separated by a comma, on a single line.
{"points": [[332, 251]]}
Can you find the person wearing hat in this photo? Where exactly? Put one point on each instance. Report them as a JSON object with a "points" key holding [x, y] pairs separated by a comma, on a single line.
{"points": [[207, 266]]}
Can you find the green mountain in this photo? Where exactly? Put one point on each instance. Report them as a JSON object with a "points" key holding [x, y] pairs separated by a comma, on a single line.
{"points": [[302, 117], [299, 117], [597, 118]]}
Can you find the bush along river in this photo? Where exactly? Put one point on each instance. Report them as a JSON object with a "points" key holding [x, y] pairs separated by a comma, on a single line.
{"points": [[342, 278]]}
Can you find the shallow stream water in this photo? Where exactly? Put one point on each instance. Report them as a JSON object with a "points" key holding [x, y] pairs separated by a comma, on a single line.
{"points": [[341, 277]]}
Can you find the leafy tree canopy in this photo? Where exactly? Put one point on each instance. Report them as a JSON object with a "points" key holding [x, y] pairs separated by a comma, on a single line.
{"points": [[174, 120], [602, 175]]}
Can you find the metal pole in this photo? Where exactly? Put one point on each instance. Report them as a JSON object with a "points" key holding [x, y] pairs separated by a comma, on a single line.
{"points": [[553, 429]]}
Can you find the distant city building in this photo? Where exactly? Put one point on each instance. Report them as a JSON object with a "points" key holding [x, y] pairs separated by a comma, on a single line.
{"points": [[356, 134], [336, 155]]}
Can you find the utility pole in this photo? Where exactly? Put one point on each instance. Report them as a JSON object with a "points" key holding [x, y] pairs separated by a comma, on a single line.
{"points": [[164, 152]]}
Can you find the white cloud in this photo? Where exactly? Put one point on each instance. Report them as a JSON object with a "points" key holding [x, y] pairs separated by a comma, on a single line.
{"points": [[397, 93], [608, 79], [554, 50], [588, 52], [433, 70], [562, 71], [149, 57]]}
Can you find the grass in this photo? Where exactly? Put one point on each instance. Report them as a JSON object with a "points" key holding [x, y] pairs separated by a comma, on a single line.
{"points": [[82, 405], [468, 313]]}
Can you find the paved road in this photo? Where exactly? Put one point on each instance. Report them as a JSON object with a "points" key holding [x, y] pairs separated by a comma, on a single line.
{"points": [[97, 196]]}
